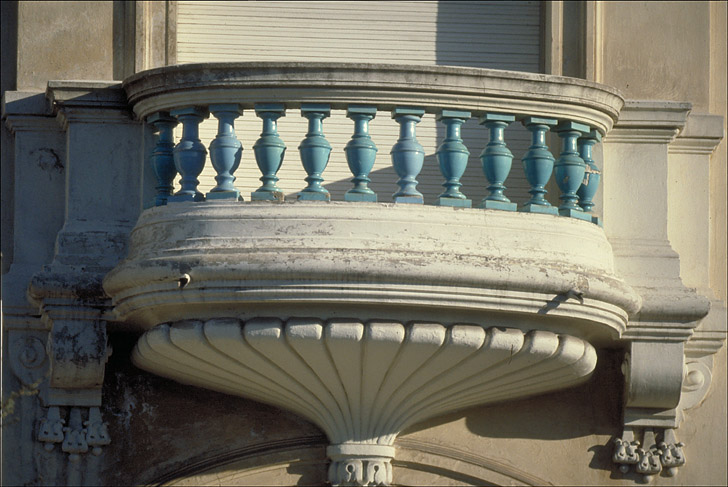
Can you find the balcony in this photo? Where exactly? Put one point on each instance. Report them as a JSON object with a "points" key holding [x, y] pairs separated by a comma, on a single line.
{"points": [[366, 316]]}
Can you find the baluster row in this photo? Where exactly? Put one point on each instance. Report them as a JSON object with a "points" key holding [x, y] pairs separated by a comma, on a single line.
{"points": [[575, 172]]}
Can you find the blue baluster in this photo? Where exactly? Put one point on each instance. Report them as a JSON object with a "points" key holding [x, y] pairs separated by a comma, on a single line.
{"points": [[569, 169], [538, 164], [162, 157], [408, 155], [497, 161], [225, 151], [269, 152], [453, 158], [189, 154], [315, 151], [361, 153], [592, 174]]}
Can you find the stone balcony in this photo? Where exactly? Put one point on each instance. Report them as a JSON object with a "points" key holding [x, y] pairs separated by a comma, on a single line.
{"points": [[363, 311], [361, 315]]}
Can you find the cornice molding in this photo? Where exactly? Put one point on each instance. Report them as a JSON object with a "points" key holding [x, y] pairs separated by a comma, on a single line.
{"points": [[649, 122], [701, 135]]}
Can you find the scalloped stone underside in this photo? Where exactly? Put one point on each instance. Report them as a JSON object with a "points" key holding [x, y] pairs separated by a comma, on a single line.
{"points": [[364, 382]]}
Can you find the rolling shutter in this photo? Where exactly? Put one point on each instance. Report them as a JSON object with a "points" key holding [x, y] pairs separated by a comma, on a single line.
{"points": [[500, 35]]}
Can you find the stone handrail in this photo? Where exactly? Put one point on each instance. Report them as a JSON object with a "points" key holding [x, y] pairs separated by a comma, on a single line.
{"points": [[581, 112]]}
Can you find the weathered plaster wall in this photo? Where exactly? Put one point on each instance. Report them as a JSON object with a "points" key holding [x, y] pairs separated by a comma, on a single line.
{"points": [[718, 176], [649, 47], [64, 40]]}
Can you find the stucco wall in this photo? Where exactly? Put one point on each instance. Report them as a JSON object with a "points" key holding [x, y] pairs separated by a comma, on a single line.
{"points": [[64, 40], [718, 177], [675, 51], [168, 432], [648, 48]]}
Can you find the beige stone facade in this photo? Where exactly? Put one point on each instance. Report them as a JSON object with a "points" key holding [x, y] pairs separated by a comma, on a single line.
{"points": [[107, 381]]}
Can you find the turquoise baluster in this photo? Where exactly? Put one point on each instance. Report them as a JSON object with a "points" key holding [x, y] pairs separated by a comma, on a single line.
{"points": [[408, 155], [163, 157], [453, 158], [269, 151], [592, 175], [315, 151], [361, 153], [569, 169], [538, 164], [189, 154], [225, 151], [497, 161]]}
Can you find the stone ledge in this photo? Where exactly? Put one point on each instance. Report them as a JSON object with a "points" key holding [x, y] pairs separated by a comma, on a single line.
{"points": [[386, 86], [200, 259]]}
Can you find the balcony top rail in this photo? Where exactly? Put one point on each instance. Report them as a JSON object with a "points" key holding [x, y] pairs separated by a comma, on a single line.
{"points": [[386, 86]]}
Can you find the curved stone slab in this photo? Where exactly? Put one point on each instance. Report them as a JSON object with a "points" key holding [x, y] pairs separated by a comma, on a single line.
{"points": [[373, 261], [384, 85]]}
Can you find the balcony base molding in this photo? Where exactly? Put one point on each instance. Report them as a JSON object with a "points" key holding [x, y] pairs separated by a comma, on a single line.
{"points": [[363, 383], [375, 260]]}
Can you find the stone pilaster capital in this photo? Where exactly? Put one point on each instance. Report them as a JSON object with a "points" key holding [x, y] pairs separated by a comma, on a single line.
{"points": [[649, 122], [26, 111], [87, 102], [701, 135]]}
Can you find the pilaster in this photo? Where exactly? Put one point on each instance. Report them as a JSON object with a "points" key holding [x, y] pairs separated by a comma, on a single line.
{"points": [[102, 154], [38, 183], [640, 215]]}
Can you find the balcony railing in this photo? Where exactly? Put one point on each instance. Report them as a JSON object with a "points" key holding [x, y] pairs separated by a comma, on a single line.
{"points": [[578, 111]]}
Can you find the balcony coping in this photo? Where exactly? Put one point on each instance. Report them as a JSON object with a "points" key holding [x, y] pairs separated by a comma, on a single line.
{"points": [[384, 85]]}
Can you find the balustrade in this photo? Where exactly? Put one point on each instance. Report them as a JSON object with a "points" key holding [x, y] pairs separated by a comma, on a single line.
{"points": [[269, 152], [315, 152], [570, 169], [453, 158], [225, 152], [573, 170], [189, 154], [360, 154]]}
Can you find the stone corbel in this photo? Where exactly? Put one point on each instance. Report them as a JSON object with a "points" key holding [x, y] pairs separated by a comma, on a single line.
{"points": [[654, 375], [72, 309], [103, 198]]}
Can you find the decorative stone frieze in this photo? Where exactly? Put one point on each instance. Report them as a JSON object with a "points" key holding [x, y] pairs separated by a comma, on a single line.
{"points": [[363, 383]]}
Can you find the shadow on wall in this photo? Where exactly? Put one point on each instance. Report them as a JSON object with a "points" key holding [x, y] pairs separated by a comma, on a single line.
{"points": [[592, 408], [384, 182]]}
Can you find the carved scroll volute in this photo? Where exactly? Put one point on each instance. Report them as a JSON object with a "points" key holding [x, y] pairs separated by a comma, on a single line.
{"points": [[28, 358]]}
